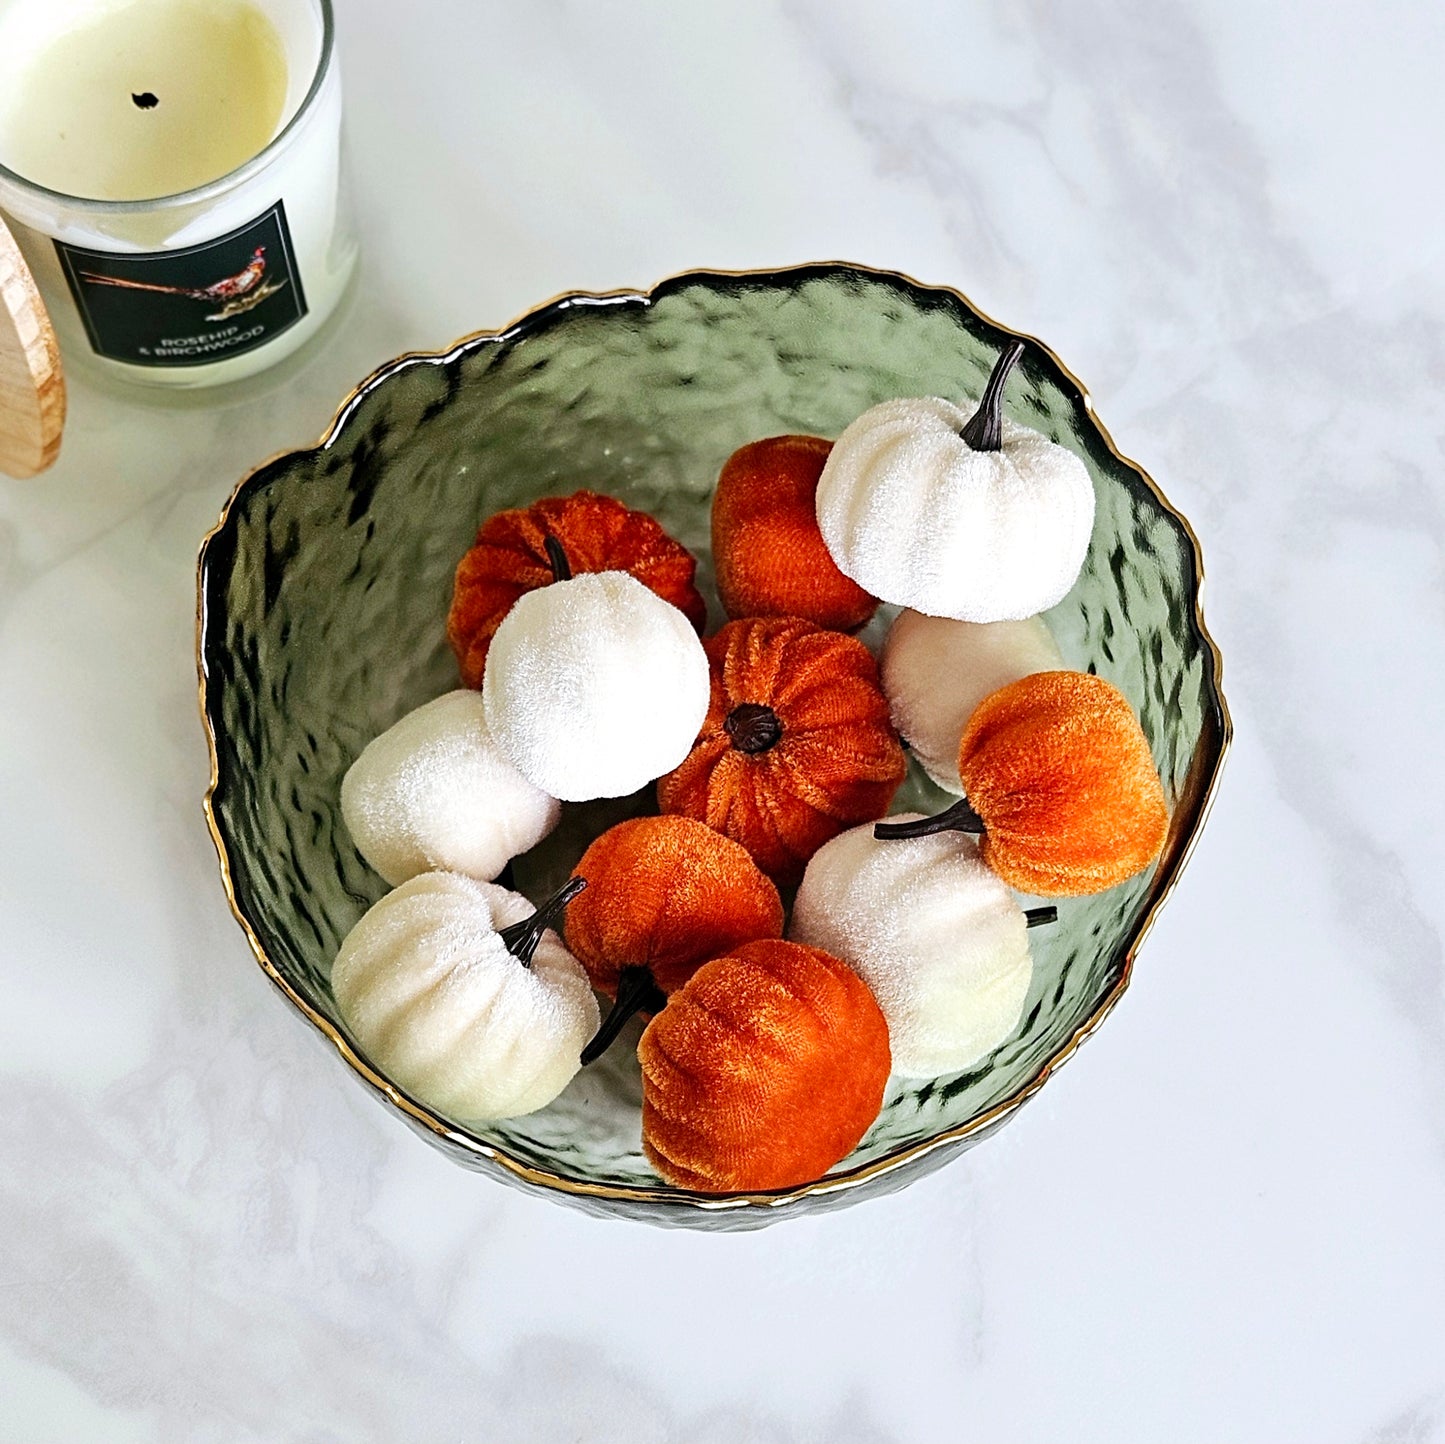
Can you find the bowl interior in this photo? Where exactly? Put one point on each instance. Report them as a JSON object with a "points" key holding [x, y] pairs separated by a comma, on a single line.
{"points": [[325, 591]]}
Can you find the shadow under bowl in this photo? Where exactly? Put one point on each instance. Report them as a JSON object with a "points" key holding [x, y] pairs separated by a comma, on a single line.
{"points": [[323, 593]]}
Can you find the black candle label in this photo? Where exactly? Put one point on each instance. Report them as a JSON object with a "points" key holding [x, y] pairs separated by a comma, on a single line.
{"points": [[189, 307]]}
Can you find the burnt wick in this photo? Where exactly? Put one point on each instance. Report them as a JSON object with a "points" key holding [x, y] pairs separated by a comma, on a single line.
{"points": [[146, 100]]}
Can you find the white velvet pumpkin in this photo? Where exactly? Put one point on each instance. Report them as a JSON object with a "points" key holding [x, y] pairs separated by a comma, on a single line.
{"points": [[935, 671], [984, 530], [595, 686], [434, 792], [439, 1002], [932, 931]]}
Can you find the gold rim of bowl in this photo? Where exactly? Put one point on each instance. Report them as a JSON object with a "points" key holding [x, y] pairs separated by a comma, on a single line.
{"points": [[1190, 812]]}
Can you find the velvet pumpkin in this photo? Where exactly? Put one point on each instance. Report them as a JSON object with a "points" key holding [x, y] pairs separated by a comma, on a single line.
{"points": [[588, 533], [934, 933], [770, 556], [664, 895], [764, 1070], [461, 993], [971, 517], [797, 744], [1059, 781], [434, 793], [594, 686]]}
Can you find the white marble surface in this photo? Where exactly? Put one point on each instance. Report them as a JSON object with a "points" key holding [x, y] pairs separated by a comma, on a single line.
{"points": [[1223, 1221]]}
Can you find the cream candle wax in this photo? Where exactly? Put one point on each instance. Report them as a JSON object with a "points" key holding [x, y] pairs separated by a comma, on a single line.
{"points": [[172, 171], [212, 78]]}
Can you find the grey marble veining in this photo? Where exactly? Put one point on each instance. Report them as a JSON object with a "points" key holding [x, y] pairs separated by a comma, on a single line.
{"points": [[1222, 1221]]}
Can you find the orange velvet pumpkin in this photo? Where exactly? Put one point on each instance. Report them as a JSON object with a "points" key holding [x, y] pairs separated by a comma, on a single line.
{"points": [[521, 550], [797, 745], [1059, 780], [770, 556], [664, 895], [763, 1070]]}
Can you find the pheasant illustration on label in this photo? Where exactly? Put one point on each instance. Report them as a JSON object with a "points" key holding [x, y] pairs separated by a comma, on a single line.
{"points": [[189, 307]]}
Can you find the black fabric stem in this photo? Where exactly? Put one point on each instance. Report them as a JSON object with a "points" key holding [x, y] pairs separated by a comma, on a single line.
{"points": [[637, 992], [959, 818], [753, 727], [521, 939], [984, 429], [557, 560]]}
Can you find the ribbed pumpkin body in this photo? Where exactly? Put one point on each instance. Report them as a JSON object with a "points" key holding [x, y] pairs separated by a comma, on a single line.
{"points": [[835, 759], [667, 894], [934, 933], [770, 557], [763, 1071], [913, 513], [432, 996], [596, 533], [595, 686], [1061, 774], [435, 792]]}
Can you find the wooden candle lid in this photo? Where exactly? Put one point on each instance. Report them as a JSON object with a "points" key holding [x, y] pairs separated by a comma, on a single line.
{"points": [[32, 385]]}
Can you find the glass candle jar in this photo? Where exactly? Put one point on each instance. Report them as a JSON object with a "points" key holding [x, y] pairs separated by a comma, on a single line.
{"points": [[171, 170]]}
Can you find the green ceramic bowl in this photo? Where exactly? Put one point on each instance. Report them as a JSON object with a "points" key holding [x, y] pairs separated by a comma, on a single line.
{"points": [[324, 590]]}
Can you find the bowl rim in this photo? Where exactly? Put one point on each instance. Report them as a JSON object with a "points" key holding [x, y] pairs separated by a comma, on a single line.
{"points": [[1191, 811]]}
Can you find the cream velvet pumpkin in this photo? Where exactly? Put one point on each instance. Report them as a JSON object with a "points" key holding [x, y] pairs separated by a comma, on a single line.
{"points": [[461, 994], [434, 792], [935, 935], [971, 517], [594, 686]]}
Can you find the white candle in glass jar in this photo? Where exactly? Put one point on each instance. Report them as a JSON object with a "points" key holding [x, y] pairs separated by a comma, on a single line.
{"points": [[172, 172]]}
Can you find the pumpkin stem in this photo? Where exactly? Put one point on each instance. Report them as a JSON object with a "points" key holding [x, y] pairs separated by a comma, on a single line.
{"points": [[753, 727], [1041, 917], [984, 430], [959, 818], [637, 992], [521, 939], [557, 560]]}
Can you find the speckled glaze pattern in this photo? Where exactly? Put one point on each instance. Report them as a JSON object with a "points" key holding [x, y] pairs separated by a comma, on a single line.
{"points": [[324, 594]]}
